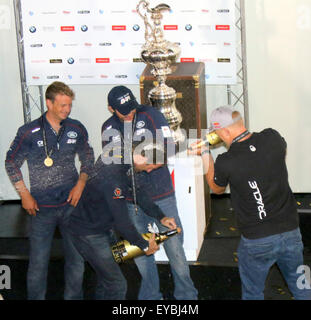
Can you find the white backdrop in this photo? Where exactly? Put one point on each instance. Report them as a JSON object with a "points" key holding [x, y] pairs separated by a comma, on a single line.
{"points": [[99, 42]]}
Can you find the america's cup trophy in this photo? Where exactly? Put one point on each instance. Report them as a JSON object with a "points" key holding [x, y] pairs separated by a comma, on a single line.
{"points": [[160, 54]]}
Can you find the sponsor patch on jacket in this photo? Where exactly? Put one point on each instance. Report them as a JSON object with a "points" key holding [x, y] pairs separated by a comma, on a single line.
{"points": [[118, 194], [71, 141], [140, 132], [140, 124], [35, 130], [166, 132], [40, 143], [116, 138], [72, 134]]}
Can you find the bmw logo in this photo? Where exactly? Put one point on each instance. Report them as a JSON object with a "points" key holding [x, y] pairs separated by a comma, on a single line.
{"points": [[136, 27], [188, 27], [84, 28], [71, 60], [32, 29]]}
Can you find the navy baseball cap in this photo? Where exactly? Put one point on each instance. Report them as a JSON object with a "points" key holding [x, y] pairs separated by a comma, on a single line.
{"points": [[122, 99]]}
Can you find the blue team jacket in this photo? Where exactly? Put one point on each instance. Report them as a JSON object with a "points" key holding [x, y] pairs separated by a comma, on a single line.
{"points": [[103, 204], [50, 186], [148, 121]]}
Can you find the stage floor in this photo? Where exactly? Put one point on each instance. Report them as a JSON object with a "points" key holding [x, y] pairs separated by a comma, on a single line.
{"points": [[215, 273]]}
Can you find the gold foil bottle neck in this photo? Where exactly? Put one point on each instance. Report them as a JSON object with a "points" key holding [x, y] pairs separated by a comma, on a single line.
{"points": [[213, 138]]}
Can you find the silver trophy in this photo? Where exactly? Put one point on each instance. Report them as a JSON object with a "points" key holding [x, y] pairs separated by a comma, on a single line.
{"points": [[160, 54]]}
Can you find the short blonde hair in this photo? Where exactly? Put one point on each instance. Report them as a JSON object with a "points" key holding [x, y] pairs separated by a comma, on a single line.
{"points": [[56, 88]]}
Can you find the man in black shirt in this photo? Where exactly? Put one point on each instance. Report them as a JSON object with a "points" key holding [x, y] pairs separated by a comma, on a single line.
{"points": [[255, 169]]}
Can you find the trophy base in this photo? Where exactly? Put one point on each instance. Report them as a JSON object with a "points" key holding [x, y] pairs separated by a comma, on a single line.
{"points": [[163, 98]]}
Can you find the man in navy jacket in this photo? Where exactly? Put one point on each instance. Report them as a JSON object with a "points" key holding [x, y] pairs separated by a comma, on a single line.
{"points": [[133, 122], [50, 144], [101, 211]]}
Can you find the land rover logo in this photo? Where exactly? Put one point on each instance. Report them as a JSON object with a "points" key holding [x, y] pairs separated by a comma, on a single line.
{"points": [[140, 124], [72, 134]]}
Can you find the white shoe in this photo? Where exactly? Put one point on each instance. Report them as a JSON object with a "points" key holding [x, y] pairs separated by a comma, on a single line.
{"points": [[1, 298]]}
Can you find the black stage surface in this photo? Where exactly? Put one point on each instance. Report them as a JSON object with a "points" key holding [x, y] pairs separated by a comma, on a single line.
{"points": [[215, 274]]}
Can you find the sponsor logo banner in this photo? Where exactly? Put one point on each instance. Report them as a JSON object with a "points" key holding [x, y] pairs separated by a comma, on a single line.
{"points": [[87, 44]]}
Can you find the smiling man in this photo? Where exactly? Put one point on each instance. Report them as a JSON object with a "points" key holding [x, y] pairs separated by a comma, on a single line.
{"points": [[49, 144]]}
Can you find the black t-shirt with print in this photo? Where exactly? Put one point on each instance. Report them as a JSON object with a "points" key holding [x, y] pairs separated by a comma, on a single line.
{"points": [[260, 193]]}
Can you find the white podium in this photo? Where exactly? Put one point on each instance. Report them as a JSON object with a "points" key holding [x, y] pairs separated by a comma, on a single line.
{"points": [[187, 175]]}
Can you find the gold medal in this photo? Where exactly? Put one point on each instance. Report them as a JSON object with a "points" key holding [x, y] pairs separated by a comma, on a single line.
{"points": [[48, 162]]}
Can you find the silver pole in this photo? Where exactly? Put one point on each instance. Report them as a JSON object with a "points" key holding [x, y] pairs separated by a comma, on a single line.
{"points": [[229, 95], [244, 64], [20, 48], [41, 99]]}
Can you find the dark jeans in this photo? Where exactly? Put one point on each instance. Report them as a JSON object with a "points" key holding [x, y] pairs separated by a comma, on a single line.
{"points": [[42, 230], [150, 287], [256, 256], [111, 284]]}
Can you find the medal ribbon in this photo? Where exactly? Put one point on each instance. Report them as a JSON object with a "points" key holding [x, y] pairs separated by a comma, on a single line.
{"points": [[59, 136], [132, 162]]}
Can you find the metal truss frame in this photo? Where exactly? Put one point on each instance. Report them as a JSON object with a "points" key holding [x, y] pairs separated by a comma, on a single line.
{"points": [[238, 94], [30, 99]]}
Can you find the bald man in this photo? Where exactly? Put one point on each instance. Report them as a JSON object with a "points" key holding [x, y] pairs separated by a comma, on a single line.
{"points": [[255, 169]]}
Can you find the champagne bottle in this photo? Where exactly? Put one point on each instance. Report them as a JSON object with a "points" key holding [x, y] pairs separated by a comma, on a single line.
{"points": [[211, 138], [123, 250]]}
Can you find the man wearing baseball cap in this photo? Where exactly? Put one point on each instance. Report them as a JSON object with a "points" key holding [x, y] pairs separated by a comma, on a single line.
{"points": [[255, 169], [131, 123], [122, 102]]}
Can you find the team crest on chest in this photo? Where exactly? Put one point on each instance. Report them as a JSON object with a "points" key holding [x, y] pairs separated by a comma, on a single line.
{"points": [[118, 193], [116, 138], [40, 143], [140, 124]]}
